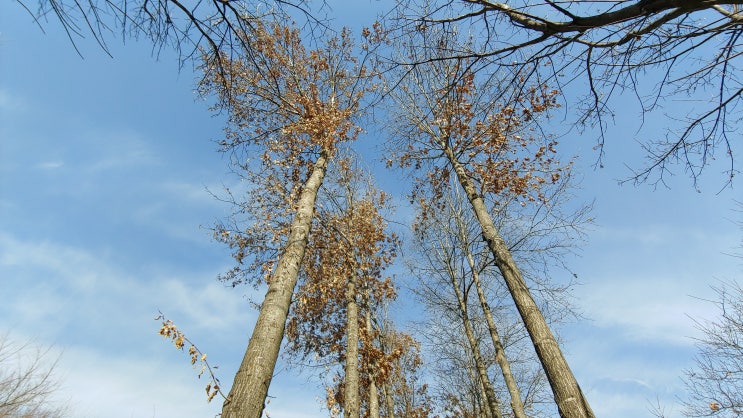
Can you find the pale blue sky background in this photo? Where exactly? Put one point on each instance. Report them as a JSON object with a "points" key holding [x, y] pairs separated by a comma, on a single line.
{"points": [[104, 166]]}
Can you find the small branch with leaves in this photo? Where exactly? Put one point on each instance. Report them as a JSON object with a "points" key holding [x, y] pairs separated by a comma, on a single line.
{"points": [[171, 332]]}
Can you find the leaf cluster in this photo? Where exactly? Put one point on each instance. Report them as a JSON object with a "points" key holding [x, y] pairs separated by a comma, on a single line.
{"points": [[448, 117], [170, 331], [350, 245], [286, 106]]}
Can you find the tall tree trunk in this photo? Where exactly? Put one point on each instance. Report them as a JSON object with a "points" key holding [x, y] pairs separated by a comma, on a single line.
{"points": [[500, 354], [491, 400], [484, 408], [517, 404], [571, 403], [389, 401], [351, 380], [250, 387], [373, 394], [477, 392]]}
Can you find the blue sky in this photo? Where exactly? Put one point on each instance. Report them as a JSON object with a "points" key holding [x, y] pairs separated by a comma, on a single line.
{"points": [[104, 170]]}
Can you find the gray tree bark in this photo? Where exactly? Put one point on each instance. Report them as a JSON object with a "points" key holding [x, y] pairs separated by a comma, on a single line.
{"points": [[389, 401], [571, 403], [491, 400], [373, 393], [351, 407], [517, 404], [250, 387]]}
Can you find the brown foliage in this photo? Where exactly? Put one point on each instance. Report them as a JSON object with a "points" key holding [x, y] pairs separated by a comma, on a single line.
{"points": [[286, 106], [170, 331], [352, 242], [500, 145]]}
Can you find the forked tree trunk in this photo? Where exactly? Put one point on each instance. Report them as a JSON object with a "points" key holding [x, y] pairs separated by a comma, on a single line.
{"points": [[491, 401], [250, 387], [517, 405], [571, 403], [351, 380]]}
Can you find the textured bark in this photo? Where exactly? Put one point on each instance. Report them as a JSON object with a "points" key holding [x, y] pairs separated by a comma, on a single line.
{"points": [[389, 401], [517, 405], [479, 401], [373, 394], [351, 380], [250, 387], [571, 402], [491, 400]]}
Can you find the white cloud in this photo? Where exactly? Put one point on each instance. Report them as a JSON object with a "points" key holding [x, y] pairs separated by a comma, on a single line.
{"points": [[648, 281], [113, 363], [117, 150], [68, 277], [643, 307], [130, 384], [642, 285], [165, 204]]}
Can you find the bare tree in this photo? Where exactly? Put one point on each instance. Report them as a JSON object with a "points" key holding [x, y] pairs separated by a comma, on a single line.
{"points": [[449, 123], [191, 28], [446, 260], [26, 381], [715, 384], [654, 49], [449, 244]]}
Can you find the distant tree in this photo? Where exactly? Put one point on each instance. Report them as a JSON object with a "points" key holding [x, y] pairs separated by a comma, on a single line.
{"points": [[657, 50], [401, 379], [343, 280], [289, 108], [715, 384], [445, 122], [26, 381], [458, 284]]}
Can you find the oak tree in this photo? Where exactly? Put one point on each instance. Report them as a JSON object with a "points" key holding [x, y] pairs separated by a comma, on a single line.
{"points": [[289, 108], [343, 282]]}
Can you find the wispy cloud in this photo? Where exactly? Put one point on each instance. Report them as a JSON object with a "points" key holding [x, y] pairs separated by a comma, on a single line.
{"points": [[11, 103], [648, 281], [642, 286], [69, 298], [643, 307], [50, 165]]}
